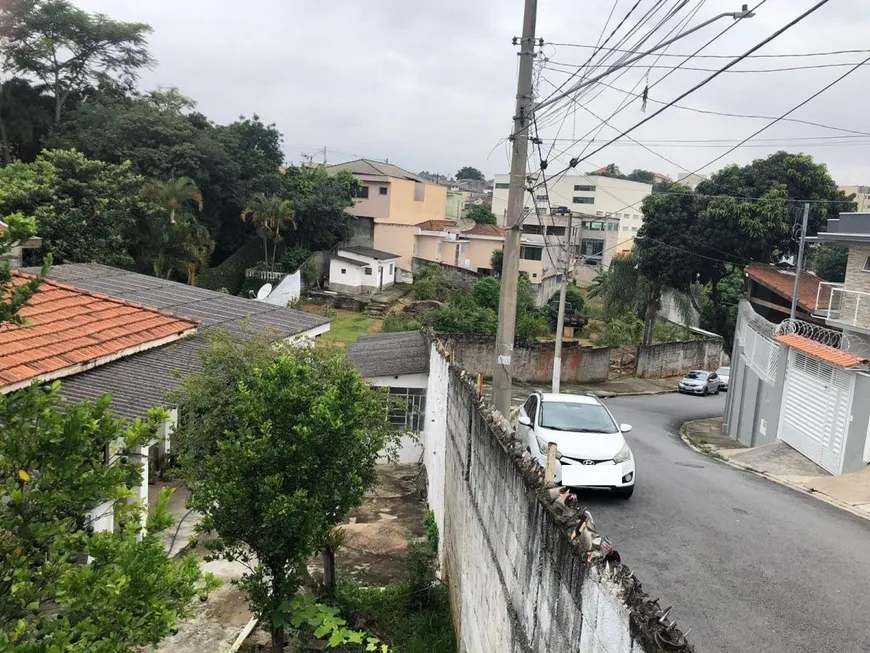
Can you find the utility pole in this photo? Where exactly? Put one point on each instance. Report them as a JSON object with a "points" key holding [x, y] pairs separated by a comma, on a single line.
{"points": [[800, 261], [324, 155], [507, 308], [560, 322]]}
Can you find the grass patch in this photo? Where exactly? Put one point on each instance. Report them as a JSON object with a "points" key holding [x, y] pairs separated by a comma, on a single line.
{"points": [[346, 326], [388, 613]]}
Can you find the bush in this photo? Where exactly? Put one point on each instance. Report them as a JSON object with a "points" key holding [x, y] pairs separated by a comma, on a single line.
{"points": [[421, 574], [293, 259], [453, 319], [424, 288], [397, 323], [530, 327], [311, 273], [486, 293], [231, 273], [431, 530], [669, 332]]}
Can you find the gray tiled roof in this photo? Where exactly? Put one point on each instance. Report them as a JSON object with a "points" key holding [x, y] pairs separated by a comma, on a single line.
{"points": [[371, 252], [390, 354], [141, 381], [373, 169]]}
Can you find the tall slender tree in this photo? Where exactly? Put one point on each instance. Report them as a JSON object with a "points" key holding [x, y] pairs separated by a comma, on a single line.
{"points": [[270, 216], [174, 195]]}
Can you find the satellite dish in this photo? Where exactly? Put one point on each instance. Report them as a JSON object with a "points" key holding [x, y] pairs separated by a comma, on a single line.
{"points": [[263, 292], [466, 224]]}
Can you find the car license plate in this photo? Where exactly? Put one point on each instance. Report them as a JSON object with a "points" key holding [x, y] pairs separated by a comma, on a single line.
{"points": [[590, 475]]}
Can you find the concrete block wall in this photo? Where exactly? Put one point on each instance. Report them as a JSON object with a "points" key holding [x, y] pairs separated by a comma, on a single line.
{"points": [[580, 364], [677, 358], [516, 582]]}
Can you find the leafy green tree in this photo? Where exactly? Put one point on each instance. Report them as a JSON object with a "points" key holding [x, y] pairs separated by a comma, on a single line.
{"points": [[496, 261], [482, 215], [297, 453], [271, 216], [85, 210], [129, 594], [25, 119], [320, 200], [473, 174], [455, 319], [67, 48], [486, 293], [719, 315], [424, 289], [173, 196], [829, 262], [14, 295]]}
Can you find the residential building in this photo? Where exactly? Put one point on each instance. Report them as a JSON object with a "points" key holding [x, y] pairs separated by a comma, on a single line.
{"points": [[599, 242], [862, 196], [846, 305], [391, 203], [400, 362], [590, 194], [361, 270], [455, 204], [770, 289], [689, 179], [16, 251], [108, 331]]}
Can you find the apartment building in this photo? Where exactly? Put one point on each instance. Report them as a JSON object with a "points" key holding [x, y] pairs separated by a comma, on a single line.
{"points": [[603, 197]]}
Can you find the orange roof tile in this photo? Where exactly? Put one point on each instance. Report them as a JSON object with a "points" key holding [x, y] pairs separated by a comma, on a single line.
{"points": [[826, 353], [486, 230], [67, 328], [782, 283], [437, 225]]}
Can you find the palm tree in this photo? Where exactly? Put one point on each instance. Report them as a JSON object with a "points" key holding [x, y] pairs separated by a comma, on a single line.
{"points": [[173, 195], [195, 247], [270, 215]]}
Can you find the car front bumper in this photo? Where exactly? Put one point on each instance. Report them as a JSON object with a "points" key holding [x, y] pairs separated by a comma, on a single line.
{"points": [[605, 474], [692, 390]]}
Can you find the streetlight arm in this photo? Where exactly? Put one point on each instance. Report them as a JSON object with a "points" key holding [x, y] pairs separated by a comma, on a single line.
{"points": [[736, 15]]}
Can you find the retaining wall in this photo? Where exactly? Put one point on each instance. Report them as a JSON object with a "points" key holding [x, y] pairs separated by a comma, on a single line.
{"points": [[677, 358], [517, 584], [580, 364]]}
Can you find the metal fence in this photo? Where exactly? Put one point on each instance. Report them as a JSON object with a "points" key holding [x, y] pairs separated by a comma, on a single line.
{"points": [[756, 336]]}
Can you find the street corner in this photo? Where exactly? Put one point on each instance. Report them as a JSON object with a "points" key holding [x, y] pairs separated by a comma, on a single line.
{"points": [[707, 437]]}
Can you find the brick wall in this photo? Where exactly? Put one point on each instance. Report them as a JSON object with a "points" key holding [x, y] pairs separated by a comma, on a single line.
{"points": [[516, 582], [473, 276], [677, 358], [580, 364]]}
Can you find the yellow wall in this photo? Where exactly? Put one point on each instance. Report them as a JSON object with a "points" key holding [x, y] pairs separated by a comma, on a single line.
{"points": [[376, 205], [396, 239], [404, 209]]}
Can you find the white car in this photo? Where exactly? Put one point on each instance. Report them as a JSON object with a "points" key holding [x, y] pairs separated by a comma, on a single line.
{"points": [[591, 449], [724, 374]]}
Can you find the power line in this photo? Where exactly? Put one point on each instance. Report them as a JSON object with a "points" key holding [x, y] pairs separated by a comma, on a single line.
{"points": [[550, 66], [729, 56], [708, 79]]}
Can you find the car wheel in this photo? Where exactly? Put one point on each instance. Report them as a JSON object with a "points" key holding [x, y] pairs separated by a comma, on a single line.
{"points": [[717, 390], [624, 492], [706, 391]]}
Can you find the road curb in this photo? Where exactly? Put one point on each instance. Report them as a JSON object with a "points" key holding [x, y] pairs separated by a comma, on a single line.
{"points": [[821, 496], [606, 394]]}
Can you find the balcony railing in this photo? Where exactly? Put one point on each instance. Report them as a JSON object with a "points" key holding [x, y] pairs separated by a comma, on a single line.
{"points": [[836, 303]]}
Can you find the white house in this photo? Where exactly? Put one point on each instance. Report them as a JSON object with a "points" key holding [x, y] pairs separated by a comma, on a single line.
{"points": [[400, 362], [361, 270]]}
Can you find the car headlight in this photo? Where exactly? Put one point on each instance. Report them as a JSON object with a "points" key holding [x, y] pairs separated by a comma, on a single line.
{"points": [[623, 455], [542, 446]]}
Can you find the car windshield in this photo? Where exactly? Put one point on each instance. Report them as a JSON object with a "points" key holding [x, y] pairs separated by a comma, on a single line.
{"points": [[723, 371], [696, 375], [577, 417]]}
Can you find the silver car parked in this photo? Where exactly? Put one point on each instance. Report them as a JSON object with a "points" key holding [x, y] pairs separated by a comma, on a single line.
{"points": [[724, 374], [700, 382]]}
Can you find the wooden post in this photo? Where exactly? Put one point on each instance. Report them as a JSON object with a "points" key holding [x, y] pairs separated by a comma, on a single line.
{"points": [[550, 469]]}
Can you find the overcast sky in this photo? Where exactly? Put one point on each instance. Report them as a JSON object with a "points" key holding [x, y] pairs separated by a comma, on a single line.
{"points": [[431, 85]]}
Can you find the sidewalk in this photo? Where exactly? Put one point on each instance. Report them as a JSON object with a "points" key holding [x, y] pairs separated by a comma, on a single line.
{"points": [[781, 464], [624, 387]]}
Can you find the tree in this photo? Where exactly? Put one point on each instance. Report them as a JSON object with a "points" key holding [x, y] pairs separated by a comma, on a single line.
{"points": [[173, 196], [496, 261], [14, 294], [473, 174], [67, 48], [486, 293], [25, 119], [297, 453], [86, 211], [719, 309], [270, 215], [829, 262], [610, 170], [482, 215], [129, 594]]}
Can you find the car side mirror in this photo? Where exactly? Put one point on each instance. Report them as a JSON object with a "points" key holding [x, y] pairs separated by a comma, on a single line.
{"points": [[524, 420], [625, 428]]}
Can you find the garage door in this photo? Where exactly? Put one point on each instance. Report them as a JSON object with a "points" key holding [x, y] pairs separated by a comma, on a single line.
{"points": [[815, 415]]}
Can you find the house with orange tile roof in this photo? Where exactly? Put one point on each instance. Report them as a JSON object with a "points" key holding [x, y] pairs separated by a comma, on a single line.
{"points": [[101, 330], [770, 290], [801, 383]]}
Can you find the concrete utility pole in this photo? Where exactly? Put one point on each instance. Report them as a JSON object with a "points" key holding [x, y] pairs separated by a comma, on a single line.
{"points": [[560, 322], [800, 261], [324, 155], [507, 308]]}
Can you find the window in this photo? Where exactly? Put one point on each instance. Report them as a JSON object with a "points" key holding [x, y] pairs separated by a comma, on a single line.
{"points": [[368, 272], [414, 249], [531, 408], [556, 231], [533, 229], [344, 270], [542, 198], [583, 200], [866, 267], [625, 228], [636, 216], [363, 193], [587, 189], [382, 190], [608, 214], [410, 416], [502, 186], [531, 253], [419, 191], [575, 416], [599, 213], [634, 228], [391, 268]]}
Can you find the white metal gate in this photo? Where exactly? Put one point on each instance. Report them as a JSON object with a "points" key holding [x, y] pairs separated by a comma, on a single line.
{"points": [[816, 402]]}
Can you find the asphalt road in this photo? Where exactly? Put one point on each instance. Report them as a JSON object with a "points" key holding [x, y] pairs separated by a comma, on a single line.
{"points": [[747, 564]]}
